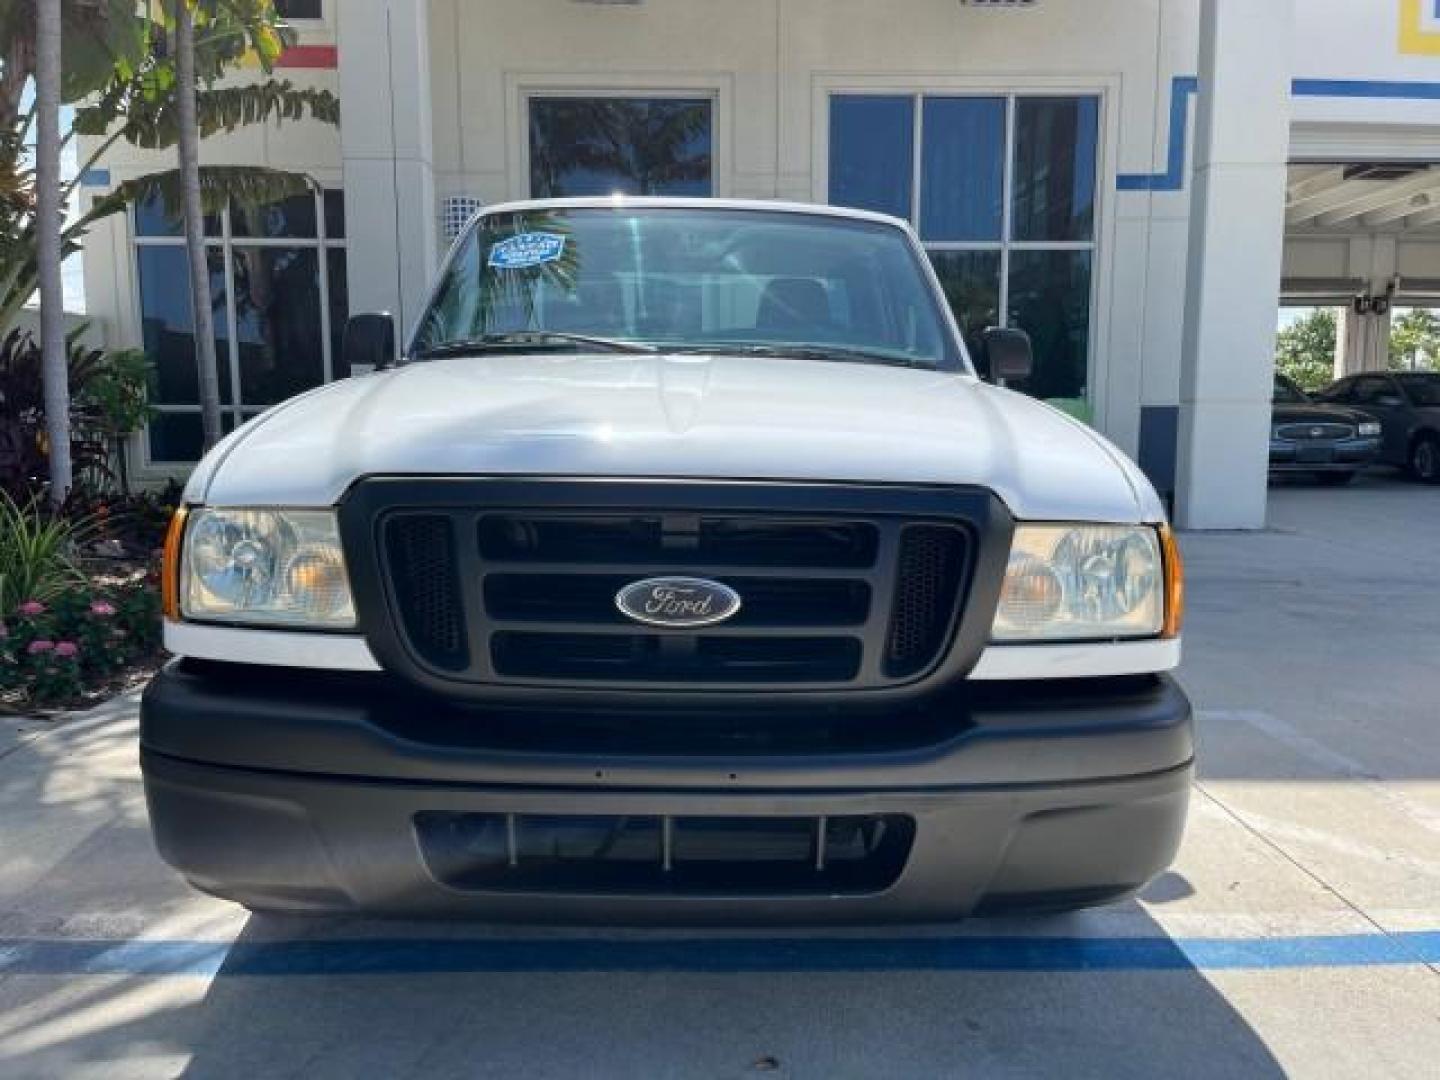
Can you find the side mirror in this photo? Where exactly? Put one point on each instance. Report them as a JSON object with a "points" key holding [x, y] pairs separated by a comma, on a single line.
{"points": [[1007, 354], [369, 342]]}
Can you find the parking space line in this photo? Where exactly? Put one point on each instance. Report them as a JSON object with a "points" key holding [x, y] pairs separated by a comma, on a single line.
{"points": [[403, 956]]}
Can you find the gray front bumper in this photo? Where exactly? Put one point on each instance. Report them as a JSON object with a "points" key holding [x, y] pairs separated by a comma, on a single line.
{"points": [[1074, 802]]}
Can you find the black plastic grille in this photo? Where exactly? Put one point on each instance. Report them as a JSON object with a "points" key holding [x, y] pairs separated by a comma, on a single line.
{"points": [[1321, 431], [930, 570], [655, 854], [421, 552], [839, 590]]}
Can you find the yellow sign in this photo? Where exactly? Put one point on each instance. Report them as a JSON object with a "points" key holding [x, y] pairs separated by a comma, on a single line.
{"points": [[1420, 27]]}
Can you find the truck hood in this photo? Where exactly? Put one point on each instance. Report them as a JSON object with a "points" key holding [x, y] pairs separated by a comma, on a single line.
{"points": [[689, 416]]}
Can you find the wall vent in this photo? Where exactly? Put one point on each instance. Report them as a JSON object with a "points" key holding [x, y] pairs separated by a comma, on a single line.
{"points": [[455, 211]]}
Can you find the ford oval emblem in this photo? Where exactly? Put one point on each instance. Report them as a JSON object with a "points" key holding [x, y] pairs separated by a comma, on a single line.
{"points": [[678, 602]]}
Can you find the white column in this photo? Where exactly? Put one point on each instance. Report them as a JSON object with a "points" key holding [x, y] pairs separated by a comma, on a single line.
{"points": [[1237, 229], [1362, 342], [386, 132]]}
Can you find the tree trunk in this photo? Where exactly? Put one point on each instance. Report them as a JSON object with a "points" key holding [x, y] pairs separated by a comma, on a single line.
{"points": [[189, 164], [49, 218]]}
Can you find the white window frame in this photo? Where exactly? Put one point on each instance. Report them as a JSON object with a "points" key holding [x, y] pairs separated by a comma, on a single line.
{"points": [[1105, 90], [226, 242]]}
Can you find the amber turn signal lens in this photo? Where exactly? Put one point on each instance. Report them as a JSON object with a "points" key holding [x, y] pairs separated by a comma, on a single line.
{"points": [[1174, 582], [170, 566]]}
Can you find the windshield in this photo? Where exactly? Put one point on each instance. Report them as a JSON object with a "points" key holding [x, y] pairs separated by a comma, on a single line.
{"points": [[1424, 390], [1287, 393], [719, 280]]}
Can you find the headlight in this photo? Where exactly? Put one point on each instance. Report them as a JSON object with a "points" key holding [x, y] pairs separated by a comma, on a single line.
{"points": [[265, 566], [1084, 582], [1369, 428]]}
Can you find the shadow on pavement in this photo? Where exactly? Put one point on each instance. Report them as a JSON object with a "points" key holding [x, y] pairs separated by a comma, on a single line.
{"points": [[557, 1004]]}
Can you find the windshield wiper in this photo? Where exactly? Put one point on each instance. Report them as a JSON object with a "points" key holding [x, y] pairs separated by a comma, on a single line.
{"points": [[838, 353], [512, 338]]}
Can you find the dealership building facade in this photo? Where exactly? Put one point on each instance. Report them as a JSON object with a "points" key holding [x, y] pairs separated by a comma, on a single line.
{"points": [[1136, 183]]}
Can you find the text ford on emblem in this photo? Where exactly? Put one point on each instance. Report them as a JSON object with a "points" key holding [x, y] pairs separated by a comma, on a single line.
{"points": [[678, 601]]}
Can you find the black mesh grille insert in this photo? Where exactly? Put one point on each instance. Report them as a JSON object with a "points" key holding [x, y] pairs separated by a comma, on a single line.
{"points": [[653, 854], [421, 553], [675, 658], [679, 540], [928, 576]]}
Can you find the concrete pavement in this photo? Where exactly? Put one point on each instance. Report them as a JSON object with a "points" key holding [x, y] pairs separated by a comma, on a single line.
{"points": [[1299, 932]]}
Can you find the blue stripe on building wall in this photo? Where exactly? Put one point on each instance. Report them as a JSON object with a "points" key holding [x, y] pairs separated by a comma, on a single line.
{"points": [[1173, 178], [1182, 86]]}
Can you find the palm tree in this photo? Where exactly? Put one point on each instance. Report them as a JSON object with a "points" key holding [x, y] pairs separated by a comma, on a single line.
{"points": [[50, 216], [188, 154]]}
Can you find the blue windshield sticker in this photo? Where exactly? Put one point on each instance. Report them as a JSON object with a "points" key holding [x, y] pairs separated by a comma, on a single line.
{"points": [[526, 249]]}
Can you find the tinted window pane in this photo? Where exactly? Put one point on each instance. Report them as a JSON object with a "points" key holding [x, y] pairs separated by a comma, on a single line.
{"points": [[292, 217], [151, 219], [176, 437], [299, 9], [334, 214], [339, 308], [168, 329], [971, 280], [638, 146], [1050, 300], [277, 315], [962, 173], [180, 437], [872, 143], [1055, 146]]}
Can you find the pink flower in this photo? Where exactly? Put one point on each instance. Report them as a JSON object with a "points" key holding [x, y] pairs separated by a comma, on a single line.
{"points": [[100, 607], [38, 646], [66, 648], [32, 607]]}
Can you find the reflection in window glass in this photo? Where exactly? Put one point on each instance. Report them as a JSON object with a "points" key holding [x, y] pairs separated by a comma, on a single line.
{"points": [[299, 9], [339, 309], [871, 148], [962, 175], [637, 146], [971, 280], [334, 201], [180, 436], [1055, 146], [283, 219], [277, 318], [167, 328], [1050, 301], [706, 279], [152, 219]]}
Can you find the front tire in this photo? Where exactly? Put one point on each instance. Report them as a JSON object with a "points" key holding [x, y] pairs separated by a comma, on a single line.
{"points": [[1334, 479], [1425, 459]]}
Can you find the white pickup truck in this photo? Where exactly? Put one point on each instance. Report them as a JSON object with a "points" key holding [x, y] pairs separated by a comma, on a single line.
{"points": [[682, 568]]}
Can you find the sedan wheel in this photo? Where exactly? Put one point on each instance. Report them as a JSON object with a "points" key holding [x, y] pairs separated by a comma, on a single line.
{"points": [[1425, 459]]}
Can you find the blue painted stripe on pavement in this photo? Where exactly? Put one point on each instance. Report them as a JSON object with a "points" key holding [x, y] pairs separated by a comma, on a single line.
{"points": [[401, 956]]}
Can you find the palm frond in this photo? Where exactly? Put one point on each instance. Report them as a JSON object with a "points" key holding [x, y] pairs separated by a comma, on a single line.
{"points": [[241, 186]]}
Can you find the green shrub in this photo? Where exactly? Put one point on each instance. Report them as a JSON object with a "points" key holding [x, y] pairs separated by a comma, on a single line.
{"points": [[51, 651], [36, 552], [107, 402]]}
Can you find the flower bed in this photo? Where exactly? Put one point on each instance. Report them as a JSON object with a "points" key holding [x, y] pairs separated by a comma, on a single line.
{"points": [[92, 639]]}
